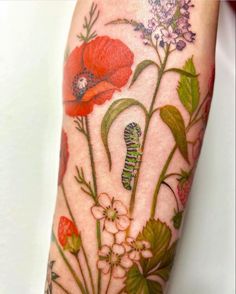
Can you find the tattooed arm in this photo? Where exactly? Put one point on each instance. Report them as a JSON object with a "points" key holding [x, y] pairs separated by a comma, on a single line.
{"points": [[138, 83]]}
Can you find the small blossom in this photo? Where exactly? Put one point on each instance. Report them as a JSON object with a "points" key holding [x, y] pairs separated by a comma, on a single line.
{"points": [[112, 212], [180, 45], [114, 259], [156, 36], [189, 36], [168, 36], [137, 249], [152, 24], [139, 27]]}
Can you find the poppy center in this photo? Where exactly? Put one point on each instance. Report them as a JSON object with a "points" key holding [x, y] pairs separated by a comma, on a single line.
{"points": [[82, 82]]}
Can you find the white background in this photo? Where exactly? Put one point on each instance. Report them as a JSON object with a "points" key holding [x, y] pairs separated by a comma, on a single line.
{"points": [[32, 39]]}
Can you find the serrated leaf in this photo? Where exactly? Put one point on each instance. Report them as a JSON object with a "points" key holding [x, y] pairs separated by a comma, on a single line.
{"points": [[166, 264], [188, 88], [158, 234], [136, 283], [111, 115], [182, 72], [140, 67], [174, 120]]}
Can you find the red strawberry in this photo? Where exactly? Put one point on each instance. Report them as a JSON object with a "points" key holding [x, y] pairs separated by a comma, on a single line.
{"points": [[184, 188], [68, 235]]}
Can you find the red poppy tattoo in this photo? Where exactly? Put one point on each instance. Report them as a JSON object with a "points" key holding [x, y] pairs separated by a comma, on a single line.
{"points": [[93, 72], [64, 156]]}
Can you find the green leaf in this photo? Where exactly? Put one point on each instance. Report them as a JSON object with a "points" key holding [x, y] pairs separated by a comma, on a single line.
{"points": [[136, 283], [166, 263], [140, 67], [188, 88], [158, 234], [182, 72], [174, 120], [54, 276], [111, 115]]}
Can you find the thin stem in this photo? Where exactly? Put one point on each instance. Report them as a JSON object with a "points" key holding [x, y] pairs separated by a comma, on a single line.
{"points": [[162, 175], [89, 269], [171, 175], [98, 228], [84, 252], [61, 287], [136, 179], [76, 278], [109, 282], [82, 274], [173, 192]]}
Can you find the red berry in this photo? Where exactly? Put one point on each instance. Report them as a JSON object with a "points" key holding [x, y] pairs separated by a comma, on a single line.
{"points": [[66, 229], [184, 190]]}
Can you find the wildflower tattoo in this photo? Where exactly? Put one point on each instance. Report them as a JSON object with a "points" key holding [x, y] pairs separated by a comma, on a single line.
{"points": [[97, 68]]}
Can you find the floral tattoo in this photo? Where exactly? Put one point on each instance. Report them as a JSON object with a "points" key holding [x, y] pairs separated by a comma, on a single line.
{"points": [[93, 72]]}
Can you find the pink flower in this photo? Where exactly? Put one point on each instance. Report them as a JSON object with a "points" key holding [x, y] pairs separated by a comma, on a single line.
{"points": [[112, 212], [137, 249], [114, 259], [168, 36], [152, 24]]}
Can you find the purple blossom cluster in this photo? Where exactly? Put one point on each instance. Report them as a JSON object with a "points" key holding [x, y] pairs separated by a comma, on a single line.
{"points": [[169, 23]]}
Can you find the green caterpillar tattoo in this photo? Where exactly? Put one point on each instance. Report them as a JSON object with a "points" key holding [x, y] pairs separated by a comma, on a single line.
{"points": [[131, 136]]}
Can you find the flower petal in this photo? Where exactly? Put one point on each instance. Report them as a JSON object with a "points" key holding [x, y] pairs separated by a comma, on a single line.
{"points": [[126, 261], [119, 206], [97, 212], [120, 77], [104, 200], [146, 244], [118, 249], [102, 97], [146, 253], [123, 222], [104, 251], [104, 266], [110, 227], [103, 56], [134, 255], [100, 88], [78, 108], [118, 272], [73, 66]]}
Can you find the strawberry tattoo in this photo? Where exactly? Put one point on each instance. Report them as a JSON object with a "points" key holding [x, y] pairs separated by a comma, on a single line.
{"points": [[68, 235]]}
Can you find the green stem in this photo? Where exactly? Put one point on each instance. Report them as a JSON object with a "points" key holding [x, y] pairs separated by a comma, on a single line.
{"points": [[84, 252], [98, 228], [82, 274], [158, 186], [76, 278], [136, 179], [109, 282], [61, 287]]}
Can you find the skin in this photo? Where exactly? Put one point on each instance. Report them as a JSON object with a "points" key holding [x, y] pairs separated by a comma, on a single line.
{"points": [[160, 140]]}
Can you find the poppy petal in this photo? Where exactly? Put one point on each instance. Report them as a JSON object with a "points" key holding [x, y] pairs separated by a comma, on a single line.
{"points": [[120, 77], [103, 56], [98, 89], [101, 98], [73, 66], [78, 108]]}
